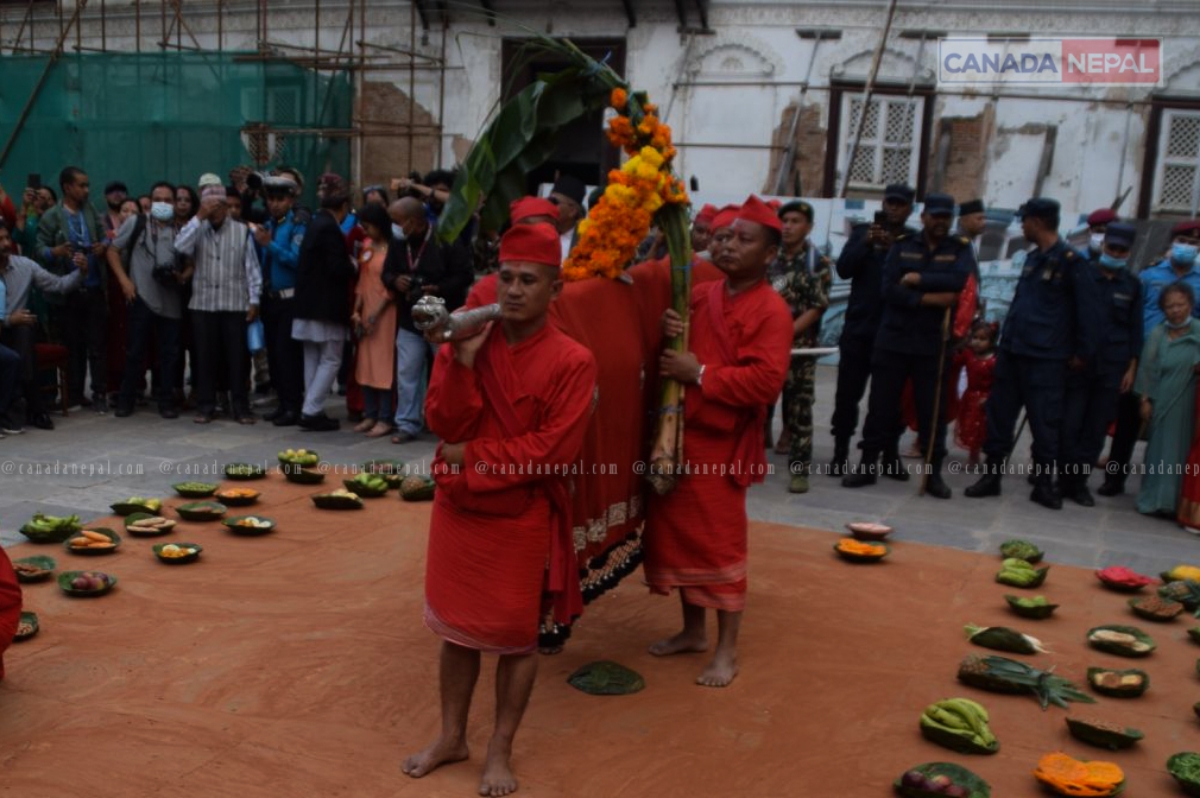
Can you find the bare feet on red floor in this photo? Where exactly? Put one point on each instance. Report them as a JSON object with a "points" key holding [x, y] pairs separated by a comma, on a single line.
{"points": [[682, 643], [720, 670], [498, 778], [442, 752]]}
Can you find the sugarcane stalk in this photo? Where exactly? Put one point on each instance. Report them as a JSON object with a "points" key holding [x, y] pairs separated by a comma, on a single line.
{"points": [[667, 452]]}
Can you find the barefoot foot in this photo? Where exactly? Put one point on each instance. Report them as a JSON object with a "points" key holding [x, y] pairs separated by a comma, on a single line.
{"points": [[442, 752], [682, 643], [720, 670], [498, 778]]}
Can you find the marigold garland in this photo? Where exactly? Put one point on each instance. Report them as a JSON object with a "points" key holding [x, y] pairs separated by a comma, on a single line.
{"points": [[621, 219]]}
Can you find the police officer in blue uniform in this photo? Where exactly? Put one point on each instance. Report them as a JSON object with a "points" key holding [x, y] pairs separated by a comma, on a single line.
{"points": [[861, 262], [1045, 333], [279, 252], [922, 276], [1090, 403]]}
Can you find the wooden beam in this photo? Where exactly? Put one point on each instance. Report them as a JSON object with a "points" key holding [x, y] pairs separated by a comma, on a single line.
{"points": [[629, 15]]}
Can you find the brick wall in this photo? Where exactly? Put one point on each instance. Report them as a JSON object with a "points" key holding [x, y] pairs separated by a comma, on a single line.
{"points": [[966, 164], [386, 139], [809, 162]]}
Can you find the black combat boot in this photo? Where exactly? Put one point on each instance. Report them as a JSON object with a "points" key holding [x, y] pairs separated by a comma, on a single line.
{"points": [[841, 457], [988, 484], [865, 473], [935, 486], [1079, 492], [1114, 485], [1044, 493]]}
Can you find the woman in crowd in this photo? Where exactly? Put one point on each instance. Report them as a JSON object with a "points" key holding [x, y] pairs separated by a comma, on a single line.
{"points": [[374, 321], [1166, 381]]}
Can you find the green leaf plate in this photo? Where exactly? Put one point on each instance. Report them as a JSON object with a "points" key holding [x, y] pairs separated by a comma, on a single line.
{"points": [[1184, 767], [363, 490], [185, 559], [201, 511], [29, 621], [606, 678], [333, 501], [52, 536], [108, 533], [854, 557], [244, 471], [131, 520], [1121, 649], [302, 476], [195, 490], [956, 742], [1038, 612], [1021, 550], [67, 577], [307, 460], [1169, 610], [956, 773], [46, 564], [1129, 691], [129, 508], [232, 500], [248, 531]]}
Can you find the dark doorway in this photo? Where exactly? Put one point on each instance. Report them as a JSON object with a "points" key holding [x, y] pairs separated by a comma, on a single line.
{"points": [[582, 149]]}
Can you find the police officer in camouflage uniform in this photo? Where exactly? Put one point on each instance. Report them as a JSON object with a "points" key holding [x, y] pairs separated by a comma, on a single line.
{"points": [[802, 276], [921, 279], [1046, 332], [861, 262]]}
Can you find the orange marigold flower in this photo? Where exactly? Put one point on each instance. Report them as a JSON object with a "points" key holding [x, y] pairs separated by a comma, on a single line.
{"points": [[618, 99]]}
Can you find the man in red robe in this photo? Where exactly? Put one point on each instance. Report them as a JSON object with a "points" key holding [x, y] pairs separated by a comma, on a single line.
{"points": [[511, 405], [10, 605], [740, 342]]}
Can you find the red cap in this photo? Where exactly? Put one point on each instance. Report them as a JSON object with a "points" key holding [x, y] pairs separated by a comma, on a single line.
{"points": [[707, 214], [525, 207], [532, 243], [775, 205], [1188, 227], [725, 217], [1102, 216], [757, 211]]}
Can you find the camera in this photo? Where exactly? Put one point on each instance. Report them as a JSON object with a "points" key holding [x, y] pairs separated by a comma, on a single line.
{"points": [[165, 275], [881, 218], [416, 288]]}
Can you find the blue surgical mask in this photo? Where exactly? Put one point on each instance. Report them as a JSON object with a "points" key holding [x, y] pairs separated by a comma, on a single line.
{"points": [[1178, 326], [162, 211], [1113, 264], [398, 232], [1183, 254]]}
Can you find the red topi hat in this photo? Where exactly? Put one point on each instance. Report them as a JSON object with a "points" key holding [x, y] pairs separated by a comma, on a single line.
{"points": [[525, 207], [775, 205], [757, 211], [725, 217], [707, 214], [1102, 216], [532, 243]]}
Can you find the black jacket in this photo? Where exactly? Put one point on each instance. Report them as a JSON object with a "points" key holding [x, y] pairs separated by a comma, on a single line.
{"points": [[862, 264], [324, 272], [446, 266]]}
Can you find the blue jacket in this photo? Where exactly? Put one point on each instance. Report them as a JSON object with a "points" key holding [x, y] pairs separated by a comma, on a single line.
{"points": [[1053, 312], [907, 326], [1118, 316], [1154, 279], [281, 256]]}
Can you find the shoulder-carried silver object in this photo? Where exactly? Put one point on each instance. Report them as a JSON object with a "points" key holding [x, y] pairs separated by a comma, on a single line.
{"points": [[430, 316]]}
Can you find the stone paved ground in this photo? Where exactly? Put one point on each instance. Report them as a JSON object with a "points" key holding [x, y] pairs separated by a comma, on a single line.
{"points": [[110, 459]]}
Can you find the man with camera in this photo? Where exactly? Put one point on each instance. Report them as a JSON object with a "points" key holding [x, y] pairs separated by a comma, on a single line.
{"points": [[419, 265], [142, 260]]}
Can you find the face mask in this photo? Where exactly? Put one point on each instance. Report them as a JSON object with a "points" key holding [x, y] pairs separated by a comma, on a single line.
{"points": [[1096, 241], [1109, 262], [398, 232], [1183, 254], [1178, 326], [162, 211]]}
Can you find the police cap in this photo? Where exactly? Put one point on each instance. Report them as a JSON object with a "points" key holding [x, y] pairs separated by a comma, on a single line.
{"points": [[899, 191], [939, 204]]}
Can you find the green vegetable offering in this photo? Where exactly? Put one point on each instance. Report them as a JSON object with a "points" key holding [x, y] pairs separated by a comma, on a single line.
{"points": [[1001, 638]]}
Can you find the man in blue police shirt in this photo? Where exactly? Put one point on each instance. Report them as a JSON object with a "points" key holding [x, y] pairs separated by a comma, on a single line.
{"points": [[861, 262], [922, 276], [1090, 403], [1045, 334], [279, 247]]}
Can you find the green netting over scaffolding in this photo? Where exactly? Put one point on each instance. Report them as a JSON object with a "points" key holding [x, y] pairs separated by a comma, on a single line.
{"points": [[171, 116]]}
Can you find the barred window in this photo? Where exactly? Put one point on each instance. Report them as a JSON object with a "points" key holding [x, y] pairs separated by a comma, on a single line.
{"points": [[888, 151], [1177, 173]]}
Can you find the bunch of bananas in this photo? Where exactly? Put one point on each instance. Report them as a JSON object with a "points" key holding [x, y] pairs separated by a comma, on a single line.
{"points": [[959, 724], [1019, 573], [53, 523]]}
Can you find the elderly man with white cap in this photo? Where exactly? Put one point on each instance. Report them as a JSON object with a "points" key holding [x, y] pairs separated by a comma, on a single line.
{"points": [[226, 287]]}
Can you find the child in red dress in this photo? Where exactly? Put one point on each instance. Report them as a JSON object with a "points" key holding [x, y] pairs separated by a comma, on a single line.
{"points": [[978, 357]]}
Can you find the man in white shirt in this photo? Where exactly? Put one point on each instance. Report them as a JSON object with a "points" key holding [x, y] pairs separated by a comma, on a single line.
{"points": [[568, 194]]}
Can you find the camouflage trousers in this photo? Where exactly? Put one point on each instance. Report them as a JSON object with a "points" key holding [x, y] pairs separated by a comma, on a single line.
{"points": [[799, 393]]}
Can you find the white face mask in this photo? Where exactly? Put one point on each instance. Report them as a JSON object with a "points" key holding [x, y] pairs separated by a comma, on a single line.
{"points": [[162, 211], [397, 232], [1096, 241]]}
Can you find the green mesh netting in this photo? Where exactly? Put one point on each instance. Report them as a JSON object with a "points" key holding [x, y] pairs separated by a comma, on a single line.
{"points": [[142, 117]]}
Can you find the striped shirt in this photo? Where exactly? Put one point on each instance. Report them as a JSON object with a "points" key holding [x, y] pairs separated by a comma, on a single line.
{"points": [[22, 274], [227, 277]]}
